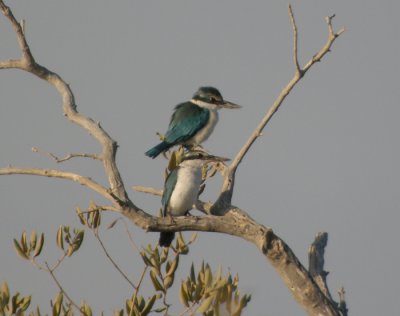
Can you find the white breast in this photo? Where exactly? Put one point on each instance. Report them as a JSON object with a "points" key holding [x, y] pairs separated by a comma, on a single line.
{"points": [[203, 134], [186, 190]]}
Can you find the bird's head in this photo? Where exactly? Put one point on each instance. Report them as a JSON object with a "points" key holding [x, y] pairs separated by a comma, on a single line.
{"points": [[210, 97]]}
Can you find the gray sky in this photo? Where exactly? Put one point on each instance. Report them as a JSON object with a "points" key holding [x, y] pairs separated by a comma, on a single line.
{"points": [[328, 161]]}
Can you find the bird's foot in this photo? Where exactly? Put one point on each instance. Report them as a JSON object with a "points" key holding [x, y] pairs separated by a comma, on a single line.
{"points": [[171, 218]]}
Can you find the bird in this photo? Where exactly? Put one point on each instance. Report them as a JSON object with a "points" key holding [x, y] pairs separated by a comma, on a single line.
{"points": [[181, 188], [192, 122]]}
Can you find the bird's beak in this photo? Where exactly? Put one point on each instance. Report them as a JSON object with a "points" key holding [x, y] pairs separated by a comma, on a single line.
{"points": [[230, 105]]}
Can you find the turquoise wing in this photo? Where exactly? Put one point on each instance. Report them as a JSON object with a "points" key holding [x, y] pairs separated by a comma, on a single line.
{"points": [[186, 121], [169, 186]]}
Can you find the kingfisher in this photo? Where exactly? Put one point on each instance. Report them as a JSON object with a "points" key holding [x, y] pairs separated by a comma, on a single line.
{"points": [[193, 121], [182, 186]]}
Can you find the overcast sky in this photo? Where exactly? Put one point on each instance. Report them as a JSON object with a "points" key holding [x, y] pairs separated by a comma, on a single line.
{"points": [[328, 161]]}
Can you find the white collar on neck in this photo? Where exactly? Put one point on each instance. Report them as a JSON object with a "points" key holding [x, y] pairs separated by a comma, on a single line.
{"points": [[203, 104]]}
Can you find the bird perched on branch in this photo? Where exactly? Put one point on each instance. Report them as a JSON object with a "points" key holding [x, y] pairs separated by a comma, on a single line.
{"points": [[193, 122], [181, 188]]}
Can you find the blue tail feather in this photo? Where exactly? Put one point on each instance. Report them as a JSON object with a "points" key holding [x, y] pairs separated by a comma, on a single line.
{"points": [[156, 150]]}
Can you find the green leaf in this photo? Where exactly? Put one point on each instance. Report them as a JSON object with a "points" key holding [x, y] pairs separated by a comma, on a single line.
{"points": [[242, 304], [193, 237], [95, 218], [164, 255], [12, 305], [81, 217], [25, 303], [39, 246], [76, 243], [86, 310], [172, 266], [79, 239], [207, 276], [5, 293], [198, 292], [192, 273], [147, 308], [33, 240], [119, 313], [146, 260], [205, 305], [23, 243], [60, 238], [57, 305], [183, 295], [157, 285], [168, 281], [19, 250], [140, 302], [172, 163]]}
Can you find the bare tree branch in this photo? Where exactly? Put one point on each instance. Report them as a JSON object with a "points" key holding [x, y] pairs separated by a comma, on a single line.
{"points": [[52, 173], [109, 146], [224, 199], [316, 262]]}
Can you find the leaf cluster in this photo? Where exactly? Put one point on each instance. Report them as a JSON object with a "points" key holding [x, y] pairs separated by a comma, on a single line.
{"points": [[215, 294], [69, 242], [205, 293], [28, 249], [12, 304]]}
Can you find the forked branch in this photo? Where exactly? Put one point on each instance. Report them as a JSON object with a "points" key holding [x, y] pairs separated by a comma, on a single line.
{"points": [[109, 146], [299, 73]]}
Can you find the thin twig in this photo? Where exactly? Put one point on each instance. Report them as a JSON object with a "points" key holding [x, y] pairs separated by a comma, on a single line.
{"points": [[59, 260], [68, 157], [295, 54], [138, 286], [96, 234], [327, 47], [139, 188], [284, 93], [37, 265], [134, 246], [61, 288]]}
